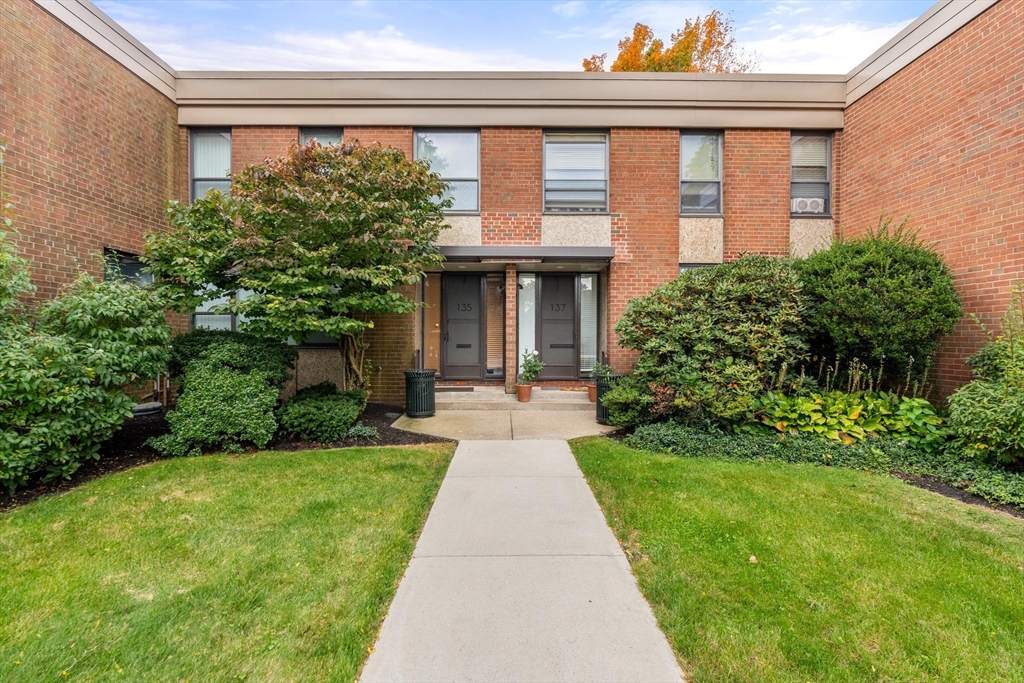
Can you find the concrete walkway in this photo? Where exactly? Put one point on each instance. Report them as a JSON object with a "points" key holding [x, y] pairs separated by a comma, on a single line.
{"points": [[517, 577], [505, 424]]}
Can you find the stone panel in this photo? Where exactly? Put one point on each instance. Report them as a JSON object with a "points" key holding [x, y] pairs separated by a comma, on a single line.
{"points": [[462, 231], [701, 239], [576, 231], [808, 235]]}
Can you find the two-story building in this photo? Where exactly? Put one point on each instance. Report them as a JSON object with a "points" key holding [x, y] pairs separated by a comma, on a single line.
{"points": [[574, 192]]}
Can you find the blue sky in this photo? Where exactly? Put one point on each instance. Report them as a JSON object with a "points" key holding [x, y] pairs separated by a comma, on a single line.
{"points": [[789, 36]]}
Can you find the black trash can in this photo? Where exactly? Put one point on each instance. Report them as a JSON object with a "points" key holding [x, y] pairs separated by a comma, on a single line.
{"points": [[419, 393], [604, 385]]}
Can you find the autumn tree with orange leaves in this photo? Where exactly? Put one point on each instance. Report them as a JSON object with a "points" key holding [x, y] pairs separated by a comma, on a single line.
{"points": [[702, 45]]}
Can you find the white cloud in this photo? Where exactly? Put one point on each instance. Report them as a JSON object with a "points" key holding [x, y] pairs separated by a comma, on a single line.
{"points": [[573, 8], [821, 48], [384, 50]]}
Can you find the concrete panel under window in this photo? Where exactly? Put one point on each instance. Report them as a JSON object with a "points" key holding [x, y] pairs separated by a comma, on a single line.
{"points": [[313, 367], [807, 235], [701, 239], [576, 231], [462, 231]]}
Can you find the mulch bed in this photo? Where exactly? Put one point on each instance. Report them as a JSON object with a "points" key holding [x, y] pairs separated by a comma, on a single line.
{"points": [[127, 449], [936, 485]]}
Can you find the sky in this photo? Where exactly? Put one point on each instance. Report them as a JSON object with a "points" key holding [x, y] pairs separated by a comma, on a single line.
{"points": [[787, 36]]}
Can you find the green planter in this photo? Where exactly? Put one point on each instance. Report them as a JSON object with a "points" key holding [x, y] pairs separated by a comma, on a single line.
{"points": [[419, 392]]}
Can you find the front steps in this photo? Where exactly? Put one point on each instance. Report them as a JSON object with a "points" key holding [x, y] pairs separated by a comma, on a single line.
{"points": [[495, 398]]}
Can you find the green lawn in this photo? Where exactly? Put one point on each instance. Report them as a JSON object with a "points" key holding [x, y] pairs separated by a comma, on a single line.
{"points": [[265, 567], [859, 577]]}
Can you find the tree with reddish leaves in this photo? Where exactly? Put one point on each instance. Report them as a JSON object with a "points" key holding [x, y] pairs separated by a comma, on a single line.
{"points": [[705, 44]]}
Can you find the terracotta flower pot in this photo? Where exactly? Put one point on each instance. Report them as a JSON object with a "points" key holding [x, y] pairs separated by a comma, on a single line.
{"points": [[592, 392], [523, 392]]}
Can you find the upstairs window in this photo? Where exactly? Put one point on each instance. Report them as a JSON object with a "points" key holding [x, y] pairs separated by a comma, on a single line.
{"points": [[576, 172], [455, 156], [211, 162], [325, 136], [700, 173], [810, 174]]}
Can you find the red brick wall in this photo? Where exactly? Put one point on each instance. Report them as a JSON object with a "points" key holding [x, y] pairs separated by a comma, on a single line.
{"points": [[942, 142], [756, 192], [92, 149], [255, 144], [393, 338], [399, 137], [511, 185], [644, 197]]}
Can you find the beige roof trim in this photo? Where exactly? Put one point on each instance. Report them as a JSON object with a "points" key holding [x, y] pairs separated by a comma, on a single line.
{"points": [[91, 23], [941, 20], [511, 99]]}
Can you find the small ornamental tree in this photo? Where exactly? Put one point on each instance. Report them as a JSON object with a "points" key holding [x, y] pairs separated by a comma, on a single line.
{"points": [[319, 240]]}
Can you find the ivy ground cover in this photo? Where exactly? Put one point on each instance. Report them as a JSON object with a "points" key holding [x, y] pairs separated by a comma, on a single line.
{"points": [[273, 566], [787, 572]]}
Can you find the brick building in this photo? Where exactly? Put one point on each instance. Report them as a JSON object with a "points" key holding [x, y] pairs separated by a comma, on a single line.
{"points": [[574, 192]]}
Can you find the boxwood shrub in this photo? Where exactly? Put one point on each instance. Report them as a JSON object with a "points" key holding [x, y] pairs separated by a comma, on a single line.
{"points": [[246, 353], [321, 413]]}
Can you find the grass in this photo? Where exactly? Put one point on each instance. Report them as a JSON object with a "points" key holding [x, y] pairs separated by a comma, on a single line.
{"points": [[859, 577], [265, 567]]}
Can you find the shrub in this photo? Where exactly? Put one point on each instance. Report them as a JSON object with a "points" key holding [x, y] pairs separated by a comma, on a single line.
{"points": [[878, 455], [322, 417], [361, 431], [998, 358], [714, 338], [629, 402], [247, 353], [848, 417], [317, 391], [62, 375], [884, 297], [988, 419], [222, 409]]}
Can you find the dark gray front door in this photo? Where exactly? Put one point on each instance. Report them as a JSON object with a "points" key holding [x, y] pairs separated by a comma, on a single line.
{"points": [[556, 330], [464, 353]]}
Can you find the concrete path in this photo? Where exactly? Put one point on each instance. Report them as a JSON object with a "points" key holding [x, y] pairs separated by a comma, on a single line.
{"points": [[505, 424], [517, 577]]}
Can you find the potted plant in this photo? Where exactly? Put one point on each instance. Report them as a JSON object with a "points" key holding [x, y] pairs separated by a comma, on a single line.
{"points": [[599, 372], [531, 367]]}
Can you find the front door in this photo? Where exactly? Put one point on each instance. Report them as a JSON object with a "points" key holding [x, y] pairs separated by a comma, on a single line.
{"points": [[556, 335], [464, 353]]}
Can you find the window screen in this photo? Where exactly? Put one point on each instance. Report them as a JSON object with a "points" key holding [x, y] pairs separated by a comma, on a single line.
{"points": [[455, 156], [576, 172]]}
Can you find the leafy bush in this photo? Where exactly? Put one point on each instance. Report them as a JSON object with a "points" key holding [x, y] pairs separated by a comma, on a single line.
{"points": [[884, 297], [222, 409], [247, 353], [988, 414], [846, 417], [62, 375], [988, 419], [878, 455], [629, 402], [317, 391], [320, 416], [361, 431], [713, 339], [531, 367]]}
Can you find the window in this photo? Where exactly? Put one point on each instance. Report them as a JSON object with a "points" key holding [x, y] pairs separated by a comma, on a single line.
{"points": [[588, 322], [700, 173], [211, 162], [575, 172], [206, 318], [127, 266], [455, 156], [325, 136], [810, 173]]}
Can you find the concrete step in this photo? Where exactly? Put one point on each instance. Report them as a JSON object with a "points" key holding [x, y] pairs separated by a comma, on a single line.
{"points": [[491, 399]]}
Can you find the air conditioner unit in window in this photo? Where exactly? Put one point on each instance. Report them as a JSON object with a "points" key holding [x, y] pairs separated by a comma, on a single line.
{"points": [[808, 205]]}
